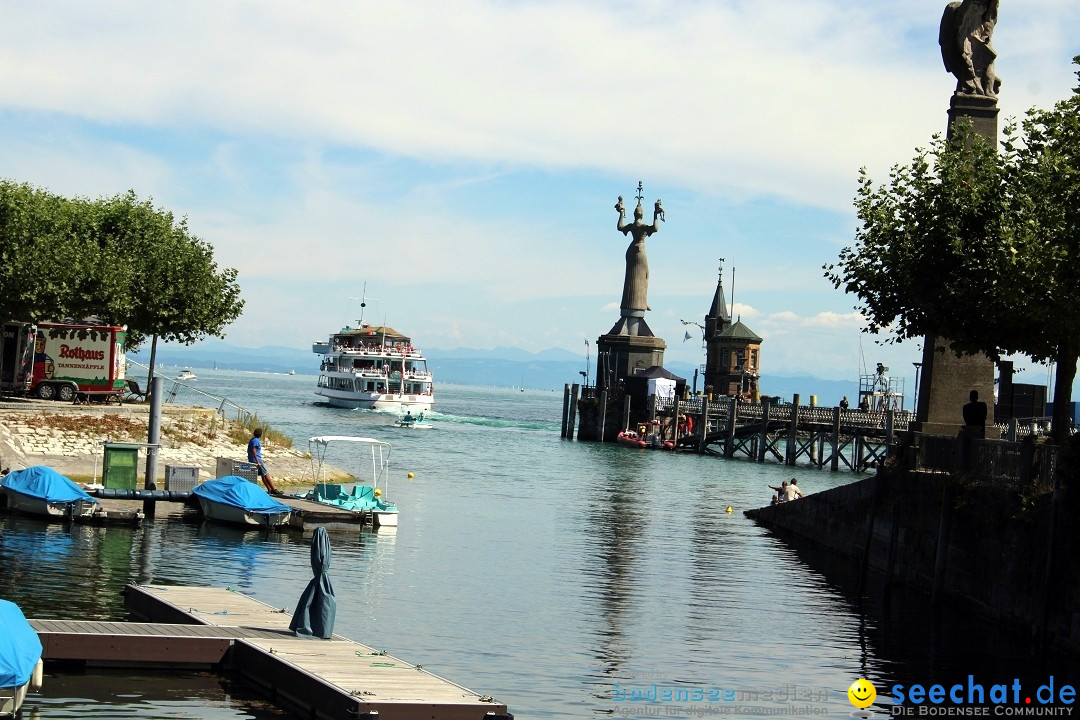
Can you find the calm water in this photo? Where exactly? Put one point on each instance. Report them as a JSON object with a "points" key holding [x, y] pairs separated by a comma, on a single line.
{"points": [[550, 574]]}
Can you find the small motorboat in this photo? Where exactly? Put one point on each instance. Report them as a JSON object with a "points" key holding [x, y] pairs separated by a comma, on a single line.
{"points": [[653, 441], [369, 498], [239, 501], [187, 374], [44, 492], [415, 422], [20, 659]]}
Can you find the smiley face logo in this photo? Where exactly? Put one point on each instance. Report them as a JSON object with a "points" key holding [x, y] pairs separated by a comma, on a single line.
{"points": [[861, 693]]}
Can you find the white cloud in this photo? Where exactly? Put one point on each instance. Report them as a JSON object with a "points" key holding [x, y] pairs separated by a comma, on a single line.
{"points": [[463, 157]]}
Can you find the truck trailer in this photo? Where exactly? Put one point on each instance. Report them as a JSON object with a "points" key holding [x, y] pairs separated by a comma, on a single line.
{"points": [[17, 357], [72, 359]]}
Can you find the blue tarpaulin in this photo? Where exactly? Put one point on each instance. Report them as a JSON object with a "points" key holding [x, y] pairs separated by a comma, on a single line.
{"points": [[317, 609], [20, 648], [240, 492], [45, 483]]}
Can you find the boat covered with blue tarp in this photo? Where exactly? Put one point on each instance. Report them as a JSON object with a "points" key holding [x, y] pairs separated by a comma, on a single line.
{"points": [[41, 490], [20, 656], [235, 499]]}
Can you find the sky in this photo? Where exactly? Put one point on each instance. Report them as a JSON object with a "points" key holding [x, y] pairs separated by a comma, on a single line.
{"points": [[457, 164]]}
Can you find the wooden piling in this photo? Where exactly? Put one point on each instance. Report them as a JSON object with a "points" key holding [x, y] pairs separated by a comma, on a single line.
{"points": [[566, 407], [603, 413], [575, 388], [835, 461], [763, 434], [703, 424], [793, 429]]}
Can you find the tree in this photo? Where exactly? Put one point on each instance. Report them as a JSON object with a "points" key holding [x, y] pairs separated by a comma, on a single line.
{"points": [[119, 259], [175, 290], [978, 246], [53, 264]]}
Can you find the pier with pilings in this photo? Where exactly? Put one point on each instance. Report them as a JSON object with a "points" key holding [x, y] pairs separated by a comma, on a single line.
{"points": [[791, 433]]}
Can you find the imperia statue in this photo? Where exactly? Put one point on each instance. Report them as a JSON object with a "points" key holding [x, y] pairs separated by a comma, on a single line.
{"points": [[636, 283], [966, 30]]}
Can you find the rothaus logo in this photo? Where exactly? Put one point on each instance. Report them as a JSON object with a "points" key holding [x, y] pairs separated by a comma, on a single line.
{"points": [[79, 353]]}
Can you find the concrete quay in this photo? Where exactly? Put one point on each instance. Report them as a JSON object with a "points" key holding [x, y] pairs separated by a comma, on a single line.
{"points": [[70, 439]]}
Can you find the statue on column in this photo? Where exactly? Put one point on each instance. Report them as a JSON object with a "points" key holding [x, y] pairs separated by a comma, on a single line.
{"points": [[636, 283], [965, 34]]}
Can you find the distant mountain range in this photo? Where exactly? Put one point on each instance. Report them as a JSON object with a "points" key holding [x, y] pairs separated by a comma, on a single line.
{"points": [[501, 367]]}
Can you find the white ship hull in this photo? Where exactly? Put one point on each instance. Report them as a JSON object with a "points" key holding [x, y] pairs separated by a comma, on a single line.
{"points": [[374, 401], [225, 513], [11, 699], [38, 506]]}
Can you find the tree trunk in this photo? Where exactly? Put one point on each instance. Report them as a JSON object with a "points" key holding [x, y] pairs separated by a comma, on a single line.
{"points": [[1063, 382]]}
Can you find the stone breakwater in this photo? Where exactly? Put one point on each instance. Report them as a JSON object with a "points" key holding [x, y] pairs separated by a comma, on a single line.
{"points": [[70, 438]]}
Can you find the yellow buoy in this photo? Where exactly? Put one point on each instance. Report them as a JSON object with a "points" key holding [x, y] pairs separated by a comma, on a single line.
{"points": [[728, 509], [410, 476]]}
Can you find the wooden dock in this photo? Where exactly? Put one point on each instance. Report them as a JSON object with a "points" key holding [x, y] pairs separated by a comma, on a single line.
{"points": [[336, 678], [306, 516]]}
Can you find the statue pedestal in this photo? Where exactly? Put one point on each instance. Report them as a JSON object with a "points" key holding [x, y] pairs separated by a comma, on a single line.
{"points": [[621, 356], [947, 381], [980, 110]]}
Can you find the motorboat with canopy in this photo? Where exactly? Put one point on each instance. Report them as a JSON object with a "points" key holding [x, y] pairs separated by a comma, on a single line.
{"points": [[374, 463]]}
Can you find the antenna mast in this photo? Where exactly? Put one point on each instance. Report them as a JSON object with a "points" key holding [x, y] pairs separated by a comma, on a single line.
{"points": [[732, 288]]}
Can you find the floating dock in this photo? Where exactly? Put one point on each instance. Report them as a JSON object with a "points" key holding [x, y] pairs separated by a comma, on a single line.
{"points": [[216, 627], [306, 514]]}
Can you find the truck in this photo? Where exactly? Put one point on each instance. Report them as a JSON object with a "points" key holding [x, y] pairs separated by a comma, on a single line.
{"points": [[17, 357], [71, 359]]}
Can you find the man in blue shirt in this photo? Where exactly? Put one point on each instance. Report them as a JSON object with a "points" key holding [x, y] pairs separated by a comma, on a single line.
{"points": [[255, 456]]}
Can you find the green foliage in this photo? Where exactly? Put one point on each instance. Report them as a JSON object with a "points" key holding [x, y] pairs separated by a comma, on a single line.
{"points": [[120, 259], [978, 246], [240, 432]]}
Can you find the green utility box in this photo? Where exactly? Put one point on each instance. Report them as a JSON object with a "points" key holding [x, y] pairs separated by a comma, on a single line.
{"points": [[121, 466]]}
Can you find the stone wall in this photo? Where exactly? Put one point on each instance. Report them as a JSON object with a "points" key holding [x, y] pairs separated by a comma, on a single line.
{"points": [[998, 543], [69, 438]]}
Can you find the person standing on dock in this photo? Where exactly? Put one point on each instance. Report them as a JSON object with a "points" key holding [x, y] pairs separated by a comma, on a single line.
{"points": [[254, 449], [975, 415], [844, 403]]}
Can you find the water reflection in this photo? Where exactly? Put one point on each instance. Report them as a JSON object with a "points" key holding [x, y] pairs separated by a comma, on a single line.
{"points": [[538, 570], [617, 522], [176, 695]]}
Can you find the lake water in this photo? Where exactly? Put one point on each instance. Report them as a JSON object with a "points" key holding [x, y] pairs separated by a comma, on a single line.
{"points": [[565, 579]]}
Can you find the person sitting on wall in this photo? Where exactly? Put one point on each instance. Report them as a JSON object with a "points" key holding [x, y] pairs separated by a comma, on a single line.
{"points": [[864, 404], [781, 493]]}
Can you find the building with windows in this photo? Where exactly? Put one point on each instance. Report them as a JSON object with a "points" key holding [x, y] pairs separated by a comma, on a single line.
{"points": [[732, 352]]}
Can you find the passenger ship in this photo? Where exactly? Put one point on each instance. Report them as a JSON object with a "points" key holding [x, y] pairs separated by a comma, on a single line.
{"points": [[373, 367]]}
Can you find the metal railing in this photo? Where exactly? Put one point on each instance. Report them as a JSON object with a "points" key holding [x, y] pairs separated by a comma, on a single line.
{"points": [[1023, 463], [178, 392], [781, 412]]}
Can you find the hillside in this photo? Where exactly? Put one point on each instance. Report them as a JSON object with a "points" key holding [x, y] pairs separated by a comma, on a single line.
{"points": [[498, 367]]}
